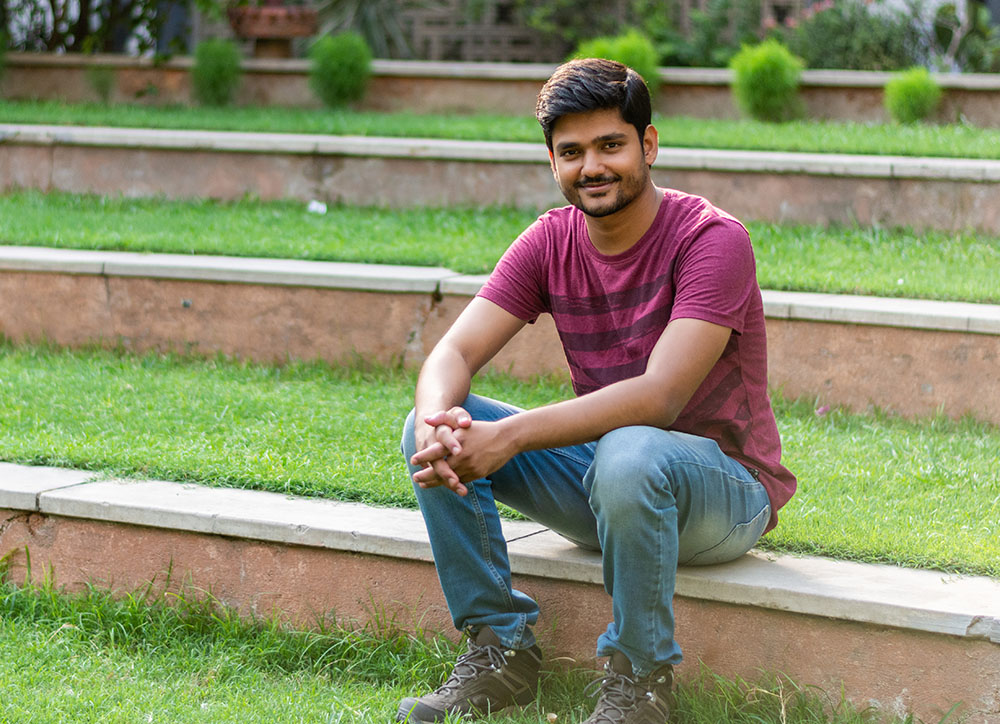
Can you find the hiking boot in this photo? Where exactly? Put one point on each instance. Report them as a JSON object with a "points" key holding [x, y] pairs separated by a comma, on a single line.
{"points": [[486, 679], [626, 699]]}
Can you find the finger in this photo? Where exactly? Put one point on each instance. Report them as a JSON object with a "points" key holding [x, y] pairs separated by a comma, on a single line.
{"points": [[434, 451], [454, 418], [439, 473], [461, 416], [447, 438]]}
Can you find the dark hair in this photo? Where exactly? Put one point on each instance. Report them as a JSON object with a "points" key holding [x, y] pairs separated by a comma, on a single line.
{"points": [[591, 84]]}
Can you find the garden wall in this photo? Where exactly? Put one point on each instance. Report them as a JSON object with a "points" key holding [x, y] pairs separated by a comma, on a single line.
{"points": [[921, 193], [910, 357], [436, 87]]}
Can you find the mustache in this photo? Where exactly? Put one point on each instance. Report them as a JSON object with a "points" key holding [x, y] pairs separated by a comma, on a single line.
{"points": [[595, 181]]}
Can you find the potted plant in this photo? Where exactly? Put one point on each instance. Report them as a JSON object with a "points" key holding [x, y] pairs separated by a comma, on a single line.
{"points": [[272, 24]]}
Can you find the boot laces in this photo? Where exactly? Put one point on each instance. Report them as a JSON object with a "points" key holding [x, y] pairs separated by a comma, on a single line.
{"points": [[477, 660], [619, 694]]}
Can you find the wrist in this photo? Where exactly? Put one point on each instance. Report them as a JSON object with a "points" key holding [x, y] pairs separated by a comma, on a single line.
{"points": [[509, 432]]}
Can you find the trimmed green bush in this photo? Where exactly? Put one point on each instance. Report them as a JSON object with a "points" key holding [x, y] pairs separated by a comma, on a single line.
{"points": [[911, 96], [631, 48], [340, 68], [766, 81], [216, 74]]}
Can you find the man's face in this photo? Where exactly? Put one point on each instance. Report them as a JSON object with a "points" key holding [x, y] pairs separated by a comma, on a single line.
{"points": [[599, 161]]}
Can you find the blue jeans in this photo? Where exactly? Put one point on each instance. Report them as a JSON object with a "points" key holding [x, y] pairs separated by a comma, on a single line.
{"points": [[648, 499]]}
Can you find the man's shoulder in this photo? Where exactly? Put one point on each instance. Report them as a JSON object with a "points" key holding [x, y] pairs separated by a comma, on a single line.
{"points": [[561, 217], [690, 215], [693, 203]]}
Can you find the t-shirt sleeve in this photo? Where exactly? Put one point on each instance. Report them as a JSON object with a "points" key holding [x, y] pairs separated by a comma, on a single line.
{"points": [[716, 276], [517, 281]]}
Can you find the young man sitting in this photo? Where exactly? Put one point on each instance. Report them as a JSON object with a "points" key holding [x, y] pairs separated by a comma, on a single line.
{"points": [[669, 453]]}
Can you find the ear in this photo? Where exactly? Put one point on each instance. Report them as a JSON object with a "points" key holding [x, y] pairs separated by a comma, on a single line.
{"points": [[552, 165], [650, 144]]}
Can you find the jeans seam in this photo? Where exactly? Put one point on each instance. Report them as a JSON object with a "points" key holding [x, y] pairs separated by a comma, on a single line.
{"points": [[484, 542]]}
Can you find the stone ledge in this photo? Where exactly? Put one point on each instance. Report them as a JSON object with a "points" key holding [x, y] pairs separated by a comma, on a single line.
{"points": [[815, 164], [21, 485], [245, 270], [491, 71], [837, 308], [918, 600]]}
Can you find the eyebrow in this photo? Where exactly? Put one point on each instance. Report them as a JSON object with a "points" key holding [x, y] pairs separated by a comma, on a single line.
{"points": [[600, 139]]}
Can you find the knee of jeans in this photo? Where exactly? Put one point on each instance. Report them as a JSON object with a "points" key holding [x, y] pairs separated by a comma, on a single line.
{"points": [[621, 481], [408, 445]]}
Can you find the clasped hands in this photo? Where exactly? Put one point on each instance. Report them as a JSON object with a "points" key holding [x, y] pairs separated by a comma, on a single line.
{"points": [[453, 450]]}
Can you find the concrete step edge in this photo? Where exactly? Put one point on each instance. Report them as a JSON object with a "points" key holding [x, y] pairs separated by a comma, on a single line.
{"points": [[836, 308], [882, 595], [832, 164]]}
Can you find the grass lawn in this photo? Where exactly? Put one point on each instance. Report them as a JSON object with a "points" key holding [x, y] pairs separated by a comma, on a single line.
{"points": [[809, 136], [872, 488], [851, 260], [90, 659]]}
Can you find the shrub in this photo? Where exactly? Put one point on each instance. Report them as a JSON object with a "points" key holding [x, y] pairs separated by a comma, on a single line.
{"points": [[631, 48], [340, 66], [856, 35], [978, 50], [766, 81], [718, 31], [3, 53], [911, 96], [216, 72], [567, 23]]}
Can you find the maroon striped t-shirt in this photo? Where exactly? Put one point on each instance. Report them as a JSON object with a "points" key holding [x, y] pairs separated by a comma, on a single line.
{"points": [[695, 261]]}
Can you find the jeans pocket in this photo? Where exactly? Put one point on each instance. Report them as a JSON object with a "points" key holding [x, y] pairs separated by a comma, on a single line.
{"points": [[740, 540]]}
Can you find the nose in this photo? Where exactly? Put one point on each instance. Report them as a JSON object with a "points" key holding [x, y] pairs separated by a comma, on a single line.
{"points": [[593, 164]]}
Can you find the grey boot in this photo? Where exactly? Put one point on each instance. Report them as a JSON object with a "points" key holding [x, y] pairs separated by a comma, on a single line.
{"points": [[627, 699], [486, 679]]}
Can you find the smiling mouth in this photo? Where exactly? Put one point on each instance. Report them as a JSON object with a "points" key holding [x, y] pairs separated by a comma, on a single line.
{"points": [[596, 183]]}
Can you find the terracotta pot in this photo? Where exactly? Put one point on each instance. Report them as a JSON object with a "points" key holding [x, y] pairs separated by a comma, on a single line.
{"points": [[273, 21]]}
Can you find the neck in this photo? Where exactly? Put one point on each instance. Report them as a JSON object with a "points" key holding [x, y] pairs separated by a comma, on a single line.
{"points": [[618, 232]]}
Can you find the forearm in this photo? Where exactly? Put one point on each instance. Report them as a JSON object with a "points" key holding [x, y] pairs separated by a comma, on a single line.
{"points": [[634, 401], [444, 381]]}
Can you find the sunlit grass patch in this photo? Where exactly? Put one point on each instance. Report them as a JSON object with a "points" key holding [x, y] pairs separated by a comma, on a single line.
{"points": [[838, 259], [872, 487]]}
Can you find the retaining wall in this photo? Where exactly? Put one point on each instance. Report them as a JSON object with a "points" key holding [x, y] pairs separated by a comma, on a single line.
{"points": [[507, 88], [936, 193], [909, 357]]}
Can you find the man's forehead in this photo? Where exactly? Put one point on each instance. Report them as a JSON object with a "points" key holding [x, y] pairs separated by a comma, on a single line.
{"points": [[591, 124]]}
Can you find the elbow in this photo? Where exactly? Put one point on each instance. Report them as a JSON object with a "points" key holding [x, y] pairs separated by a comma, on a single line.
{"points": [[659, 411], [660, 405]]}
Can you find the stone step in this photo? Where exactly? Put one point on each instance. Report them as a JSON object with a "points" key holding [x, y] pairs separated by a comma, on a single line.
{"points": [[465, 87], [907, 356], [931, 193], [902, 640]]}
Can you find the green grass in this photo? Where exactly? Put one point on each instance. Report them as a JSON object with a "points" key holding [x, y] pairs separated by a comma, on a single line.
{"points": [[150, 656], [872, 488], [955, 140], [852, 260]]}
